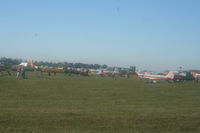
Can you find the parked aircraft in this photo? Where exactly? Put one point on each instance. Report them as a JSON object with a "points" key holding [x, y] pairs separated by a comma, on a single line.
{"points": [[182, 76], [54, 70], [27, 64], [154, 77]]}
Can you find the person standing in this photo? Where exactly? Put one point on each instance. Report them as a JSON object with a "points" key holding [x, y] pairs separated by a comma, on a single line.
{"points": [[18, 71], [23, 72]]}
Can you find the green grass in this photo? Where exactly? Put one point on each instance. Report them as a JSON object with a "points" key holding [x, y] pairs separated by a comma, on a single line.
{"points": [[76, 104]]}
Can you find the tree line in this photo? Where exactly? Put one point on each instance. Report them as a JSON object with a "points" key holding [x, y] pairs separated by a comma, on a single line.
{"points": [[12, 62]]}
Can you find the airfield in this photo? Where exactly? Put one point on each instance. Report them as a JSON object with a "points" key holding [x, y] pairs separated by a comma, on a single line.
{"points": [[83, 104]]}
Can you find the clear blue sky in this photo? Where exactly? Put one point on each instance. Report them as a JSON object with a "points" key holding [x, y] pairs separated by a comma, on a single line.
{"points": [[151, 34]]}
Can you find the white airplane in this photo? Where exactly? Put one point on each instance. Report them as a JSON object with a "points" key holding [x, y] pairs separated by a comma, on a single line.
{"points": [[153, 78], [25, 64]]}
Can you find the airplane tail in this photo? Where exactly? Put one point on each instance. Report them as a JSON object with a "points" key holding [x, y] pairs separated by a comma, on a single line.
{"points": [[30, 63], [139, 74], [170, 75]]}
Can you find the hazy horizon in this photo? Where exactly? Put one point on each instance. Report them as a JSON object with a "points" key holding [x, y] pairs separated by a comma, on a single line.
{"points": [[154, 35]]}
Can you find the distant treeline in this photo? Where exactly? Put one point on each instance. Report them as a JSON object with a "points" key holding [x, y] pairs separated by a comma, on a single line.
{"points": [[11, 62], [66, 64]]}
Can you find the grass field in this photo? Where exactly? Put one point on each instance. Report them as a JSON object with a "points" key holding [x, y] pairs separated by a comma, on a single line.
{"points": [[76, 104]]}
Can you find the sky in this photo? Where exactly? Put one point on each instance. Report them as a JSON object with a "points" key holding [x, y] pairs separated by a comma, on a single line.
{"points": [[148, 34]]}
